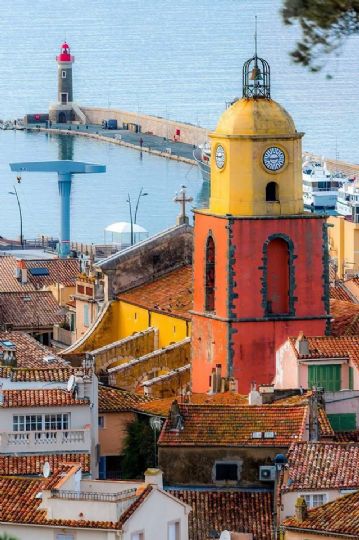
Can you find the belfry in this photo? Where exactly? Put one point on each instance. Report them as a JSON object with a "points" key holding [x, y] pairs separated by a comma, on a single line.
{"points": [[260, 262]]}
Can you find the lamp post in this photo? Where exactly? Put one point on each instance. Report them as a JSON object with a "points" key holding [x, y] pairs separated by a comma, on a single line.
{"points": [[20, 213], [133, 217]]}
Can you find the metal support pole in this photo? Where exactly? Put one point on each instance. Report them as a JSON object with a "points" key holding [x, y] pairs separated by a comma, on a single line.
{"points": [[65, 180], [20, 213], [131, 218]]}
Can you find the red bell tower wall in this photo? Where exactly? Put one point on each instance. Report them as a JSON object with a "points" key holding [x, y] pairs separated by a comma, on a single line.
{"points": [[271, 282]]}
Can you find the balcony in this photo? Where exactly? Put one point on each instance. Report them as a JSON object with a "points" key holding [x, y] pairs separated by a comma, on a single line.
{"points": [[69, 440], [63, 336]]}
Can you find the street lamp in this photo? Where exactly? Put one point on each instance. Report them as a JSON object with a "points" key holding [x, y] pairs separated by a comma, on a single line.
{"points": [[20, 213], [133, 218]]}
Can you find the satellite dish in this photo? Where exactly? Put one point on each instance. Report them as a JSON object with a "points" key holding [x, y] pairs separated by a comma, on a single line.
{"points": [[225, 535], [71, 383], [46, 469]]}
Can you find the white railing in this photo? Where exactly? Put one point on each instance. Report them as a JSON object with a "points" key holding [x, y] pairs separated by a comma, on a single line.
{"points": [[43, 441]]}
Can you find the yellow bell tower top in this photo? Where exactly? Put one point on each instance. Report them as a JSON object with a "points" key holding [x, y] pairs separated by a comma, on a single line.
{"points": [[256, 153]]}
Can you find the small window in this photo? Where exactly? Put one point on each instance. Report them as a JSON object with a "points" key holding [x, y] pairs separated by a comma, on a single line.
{"points": [[80, 289], [226, 471], [89, 291], [315, 499], [64, 98], [272, 192], [101, 421], [64, 536], [86, 315], [63, 74], [138, 536], [173, 530]]}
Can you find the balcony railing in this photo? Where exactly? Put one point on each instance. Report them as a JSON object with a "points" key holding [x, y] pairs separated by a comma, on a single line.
{"points": [[64, 336], [43, 441], [93, 496]]}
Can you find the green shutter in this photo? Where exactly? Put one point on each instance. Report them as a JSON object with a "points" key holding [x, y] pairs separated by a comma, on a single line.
{"points": [[343, 422], [351, 378], [327, 376]]}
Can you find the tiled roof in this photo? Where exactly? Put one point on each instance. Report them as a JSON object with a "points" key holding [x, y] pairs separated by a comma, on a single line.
{"points": [[321, 465], [231, 510], [62, 271], [36, 309], [234, 425], [340, 292], [32, 464], [116, 400], [346, 318], [39, 398], [346, 347], [170, 294], [347, 436], [29, 352], [326, 430], [338, 517], [50, 374], [19, 502]]}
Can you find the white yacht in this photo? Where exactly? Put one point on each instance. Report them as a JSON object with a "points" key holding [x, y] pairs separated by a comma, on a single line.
{"points": [[348, 198], [320, 186]]}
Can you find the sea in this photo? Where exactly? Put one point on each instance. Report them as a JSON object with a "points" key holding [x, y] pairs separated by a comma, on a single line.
{"points": [[180, 60]]}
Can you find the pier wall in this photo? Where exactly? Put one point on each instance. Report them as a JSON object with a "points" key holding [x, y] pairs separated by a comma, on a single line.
{"points": [[155, 125]]}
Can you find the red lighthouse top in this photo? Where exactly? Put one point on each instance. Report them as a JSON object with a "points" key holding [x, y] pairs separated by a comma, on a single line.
{"points": [[65, 55]]}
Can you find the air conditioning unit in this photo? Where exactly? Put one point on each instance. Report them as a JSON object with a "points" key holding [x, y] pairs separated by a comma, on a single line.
{"points": [[267, 473]]}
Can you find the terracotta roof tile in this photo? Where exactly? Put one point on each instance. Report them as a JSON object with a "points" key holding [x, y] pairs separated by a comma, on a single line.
{"points": [[215, 510], [346, 318], [321, 465], [29, 309], [62, 271], [8, 281], [340, 292], [39, 398], [29, 352], [170, 294], [50, 374], [338, 517], [32, 464], [116, 400], [234, 425], [347, 436]]}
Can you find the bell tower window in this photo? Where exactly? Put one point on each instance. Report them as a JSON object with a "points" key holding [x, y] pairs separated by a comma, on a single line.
{"points": [[210, 274], [278, 276], [272, 189]]}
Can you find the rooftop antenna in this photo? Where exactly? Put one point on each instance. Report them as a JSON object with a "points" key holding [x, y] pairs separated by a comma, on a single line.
{"points": [[255, 35]]}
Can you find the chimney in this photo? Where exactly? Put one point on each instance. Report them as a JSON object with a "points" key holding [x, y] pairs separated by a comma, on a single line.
{"points": [[21, 271], [218, 379], [154, 477], [301, 511], [254, 397], [176, 419], [302, 345], [233, 385]]}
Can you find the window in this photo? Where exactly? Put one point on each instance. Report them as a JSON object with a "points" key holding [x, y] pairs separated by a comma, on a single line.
{"points": [[227, 471], [343, 421], [327, 376], [277, 277], [64, 98], [57, 421], [80, 289], [89, 291], [64, 536], [272, 192], [315, 499], [31, 422], [138, 536], [63, 74], [86, 315], [101, 421], [210, 274], [173, 530]]}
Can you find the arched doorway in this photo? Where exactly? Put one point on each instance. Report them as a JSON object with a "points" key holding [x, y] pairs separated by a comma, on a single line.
{"points": [[62, 118]]}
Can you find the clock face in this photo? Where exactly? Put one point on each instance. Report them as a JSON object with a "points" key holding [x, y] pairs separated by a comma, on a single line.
{"points": [[274, 158], [220, 156]]}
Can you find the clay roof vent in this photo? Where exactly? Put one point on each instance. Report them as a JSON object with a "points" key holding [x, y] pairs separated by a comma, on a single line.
{"points": [[301, 511], [176, 419], [254, 397]]}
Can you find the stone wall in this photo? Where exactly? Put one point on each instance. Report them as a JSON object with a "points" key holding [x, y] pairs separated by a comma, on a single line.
{"points": [[149, 124], [148, 260], [195, 466]]}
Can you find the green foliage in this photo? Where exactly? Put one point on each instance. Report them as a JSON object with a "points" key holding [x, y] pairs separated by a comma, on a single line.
{"points": [[325, 25], [5, 536], [139, 450]]}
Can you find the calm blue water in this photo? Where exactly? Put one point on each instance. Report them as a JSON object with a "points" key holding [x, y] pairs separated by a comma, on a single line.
{"points": [[180, 60]]}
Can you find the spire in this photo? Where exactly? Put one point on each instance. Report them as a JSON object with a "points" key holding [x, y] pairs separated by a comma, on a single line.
{"points": [[256, 74]]}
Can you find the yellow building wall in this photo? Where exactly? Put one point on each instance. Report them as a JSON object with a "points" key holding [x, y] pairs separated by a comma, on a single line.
{"points": [[131, 319], [344, 244], [298, 535], [170, 329], [61, 294]]}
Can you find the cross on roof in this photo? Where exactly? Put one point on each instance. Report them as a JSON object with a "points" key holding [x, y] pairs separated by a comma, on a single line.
{"points": [[182, 198]]}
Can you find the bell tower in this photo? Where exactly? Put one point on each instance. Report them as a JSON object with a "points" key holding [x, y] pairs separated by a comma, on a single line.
{"points": [[260, 262]]}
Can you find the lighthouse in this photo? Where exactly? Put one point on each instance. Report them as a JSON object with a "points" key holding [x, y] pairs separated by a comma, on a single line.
{"points": [[65, 110]]}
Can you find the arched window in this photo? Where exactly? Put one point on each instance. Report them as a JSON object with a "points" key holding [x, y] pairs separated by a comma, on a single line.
{"points": [[210, 274], [278, 278], [272, 189]]}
